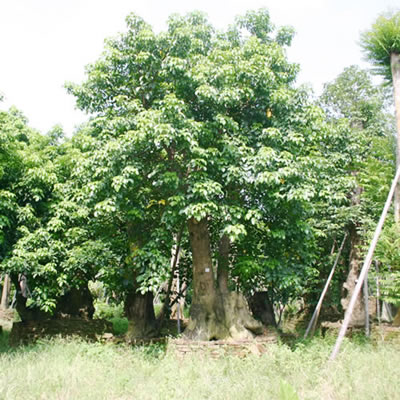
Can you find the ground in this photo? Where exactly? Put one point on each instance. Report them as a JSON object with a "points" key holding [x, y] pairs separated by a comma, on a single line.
{"points": [[74, 369], [6, 318]]}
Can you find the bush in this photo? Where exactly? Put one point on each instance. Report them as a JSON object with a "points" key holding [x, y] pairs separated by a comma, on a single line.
{"points": [[107, 311], [4, 341], [120, 325], [113, 313]]}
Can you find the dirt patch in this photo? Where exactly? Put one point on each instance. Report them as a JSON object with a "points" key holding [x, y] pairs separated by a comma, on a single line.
{"points": [[30, 332], [6, 319], [378, 333], [7, 315], [386, 333], [220, 348]]}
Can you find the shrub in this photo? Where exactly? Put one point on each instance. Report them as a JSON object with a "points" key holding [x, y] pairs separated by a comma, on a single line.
{"points": [[107, 311], [120, 325]]}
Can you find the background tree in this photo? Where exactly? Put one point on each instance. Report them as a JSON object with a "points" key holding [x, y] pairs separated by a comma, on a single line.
{"points": [[10, 169], [23, 185], [44, 231], [381, 45], [359, 107]]}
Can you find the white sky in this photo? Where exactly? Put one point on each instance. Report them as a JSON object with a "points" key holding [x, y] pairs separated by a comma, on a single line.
{"points": [[44, 43]]}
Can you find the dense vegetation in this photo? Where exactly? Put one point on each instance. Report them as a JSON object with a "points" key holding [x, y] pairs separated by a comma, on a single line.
{"points": [[202, 159]]}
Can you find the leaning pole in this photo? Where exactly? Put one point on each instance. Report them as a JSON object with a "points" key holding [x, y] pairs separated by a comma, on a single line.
{"points": [[317, 310], [364, 270]]}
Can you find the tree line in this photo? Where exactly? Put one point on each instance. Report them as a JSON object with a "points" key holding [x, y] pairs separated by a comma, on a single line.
{"points": [[202, 159]]}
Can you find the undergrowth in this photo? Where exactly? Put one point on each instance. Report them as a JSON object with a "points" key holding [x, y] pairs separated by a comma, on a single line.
{"points": [[74, 369], [113, 313]]}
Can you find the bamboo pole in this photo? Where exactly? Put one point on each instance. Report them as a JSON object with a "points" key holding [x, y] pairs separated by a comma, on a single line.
{"points": [[317, 310], [395, 69], [366, 305], [178, 313], [364, 269], [378, 294]]}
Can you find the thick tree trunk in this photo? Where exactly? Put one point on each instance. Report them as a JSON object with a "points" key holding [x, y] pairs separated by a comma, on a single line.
{"points": [[238, 318], [5, 294], [139, 310], [138, 307], [76, 303], [26, 313], [223, 264], [262, 308], [395, 66], [214, 314], [207, 317]]}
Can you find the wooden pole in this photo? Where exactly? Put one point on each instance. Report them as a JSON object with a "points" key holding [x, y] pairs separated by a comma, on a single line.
{"points": [[178, 313], [378, 294], [364, 269], [395, 68], [317, 310], [366, 308]]}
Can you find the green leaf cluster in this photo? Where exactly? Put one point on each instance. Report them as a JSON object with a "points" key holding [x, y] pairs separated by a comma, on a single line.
{"points": [[381, 41]]}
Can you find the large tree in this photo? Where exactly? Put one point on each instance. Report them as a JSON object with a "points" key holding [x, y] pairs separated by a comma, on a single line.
{"points": [[206, 128], [381, 45], [366, 145]]}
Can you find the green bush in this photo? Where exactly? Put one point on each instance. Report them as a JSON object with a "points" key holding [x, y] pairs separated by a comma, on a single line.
{"points": [[107, 311], [120, 325], [157, 309], [113, 313], [4, 341]]}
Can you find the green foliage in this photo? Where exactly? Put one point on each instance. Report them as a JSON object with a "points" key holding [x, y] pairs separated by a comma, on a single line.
{"points": [[361, 150], [45, 229], [381, 41], [14, 136], [107, 311], [388, 254], [364, 142], [113, 313], [120, 325], [194, 123], [353, 96], [4, 341]]}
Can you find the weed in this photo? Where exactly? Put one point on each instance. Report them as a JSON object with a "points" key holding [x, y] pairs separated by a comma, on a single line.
{"points": [[75, 369]]}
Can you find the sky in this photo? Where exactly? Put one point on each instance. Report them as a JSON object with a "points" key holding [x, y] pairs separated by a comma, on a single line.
{"points": [[44, 43]]}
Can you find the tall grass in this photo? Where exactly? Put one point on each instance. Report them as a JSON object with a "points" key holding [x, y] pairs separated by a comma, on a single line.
{"points": [[73, 369]]}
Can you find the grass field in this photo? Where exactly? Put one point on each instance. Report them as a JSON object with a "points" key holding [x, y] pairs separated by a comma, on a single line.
{"points": [[74, 369]]}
